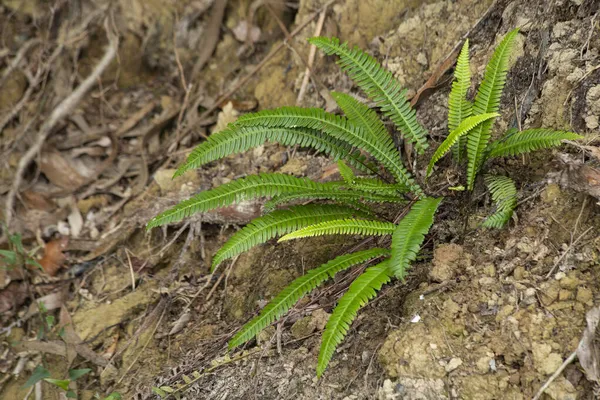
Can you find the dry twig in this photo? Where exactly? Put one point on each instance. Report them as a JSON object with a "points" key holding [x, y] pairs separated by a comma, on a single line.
{"points": [[64, 108], [311, 57], [555, 375]]}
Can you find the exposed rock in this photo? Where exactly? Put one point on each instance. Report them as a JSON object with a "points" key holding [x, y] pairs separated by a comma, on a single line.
{"points": [[561, 389], [447, 259], [412, 389], [453, 364], [545, 361]]}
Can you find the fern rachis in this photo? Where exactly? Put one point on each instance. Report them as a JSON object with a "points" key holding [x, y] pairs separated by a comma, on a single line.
{"points": [[343, 227]]}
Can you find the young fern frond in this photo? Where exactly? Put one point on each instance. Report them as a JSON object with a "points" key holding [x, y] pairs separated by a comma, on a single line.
{"points": [[459, 108], [410, 233], [279, 223], [234, 140], [463, 128], [488, 101], [335, 126], [528, 140], [298, 289], [504, 195], [363, 289], [253, 186], [380, 85], [345, 226]]}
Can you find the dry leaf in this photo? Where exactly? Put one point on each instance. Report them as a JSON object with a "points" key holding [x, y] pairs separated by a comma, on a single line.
{"points": [[13, 296], [60, 171], [51, 302], [225, 117], [37, 201], [588, 351], [75, 220], [53, 257]]}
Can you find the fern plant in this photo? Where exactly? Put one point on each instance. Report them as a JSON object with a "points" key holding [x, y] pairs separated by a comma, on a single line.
{"points": [[372, 172], [470, 125]]}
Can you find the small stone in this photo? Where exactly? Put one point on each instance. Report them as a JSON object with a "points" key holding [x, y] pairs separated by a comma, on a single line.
{"points": [[519, 273], [591, 121], [565, 294], [487, 281], [446, 261], [489, 270], [483, 364], [551, 193], [584, 295], [570, 282], [302, 328], [561, 389], [422, 59], [559, 275], [453, 364], [544, 360]]}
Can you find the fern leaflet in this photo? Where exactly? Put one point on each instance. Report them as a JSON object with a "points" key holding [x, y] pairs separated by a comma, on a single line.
{"points": [[343, 227], [380, 85], [463, 128], [410, 233], [504, 195], [488, 101], [233, 140], [278, 223], [529, 140], [253, 186], [299, 288], [363, 289], [346, 172], [459, 108], [333, 125]]}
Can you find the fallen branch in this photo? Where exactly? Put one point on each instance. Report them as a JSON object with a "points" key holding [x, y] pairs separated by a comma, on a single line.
{"points": [[64, 108]]}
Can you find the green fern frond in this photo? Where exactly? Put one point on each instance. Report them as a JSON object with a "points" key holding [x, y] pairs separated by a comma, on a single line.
{"points": [[361, 115], [374, 185], [253, 186], [353, 198], [298, 289], [233, 140], [459, 107], [463, 128], [363, 289], [488, 101], [346, 172], [345, 226], [529, 140], [279, 223], [380, 85], [335, 126], [504, 195], [410, 233]]}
